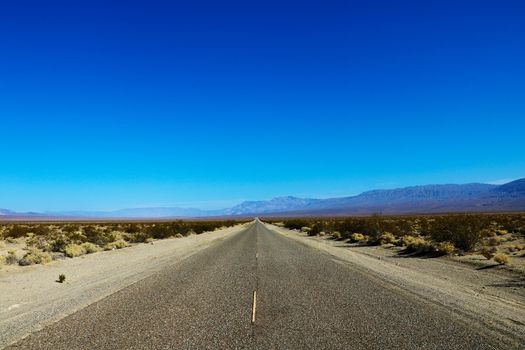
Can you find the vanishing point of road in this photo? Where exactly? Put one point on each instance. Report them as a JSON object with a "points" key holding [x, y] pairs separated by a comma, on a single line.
{"points": [[304, 299]]}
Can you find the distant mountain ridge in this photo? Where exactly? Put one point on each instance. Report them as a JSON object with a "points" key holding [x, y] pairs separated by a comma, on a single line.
{"points": [[415, 199]]}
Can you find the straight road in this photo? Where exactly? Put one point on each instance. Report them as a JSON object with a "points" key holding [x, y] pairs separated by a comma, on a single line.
{"points": [[305, 299]]}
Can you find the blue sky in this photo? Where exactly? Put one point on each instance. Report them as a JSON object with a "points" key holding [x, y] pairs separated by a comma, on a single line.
{"points": [[105, 105]]}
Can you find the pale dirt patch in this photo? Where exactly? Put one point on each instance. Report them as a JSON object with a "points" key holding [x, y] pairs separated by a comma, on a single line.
{"points": [[30, 297], [492, 297]]}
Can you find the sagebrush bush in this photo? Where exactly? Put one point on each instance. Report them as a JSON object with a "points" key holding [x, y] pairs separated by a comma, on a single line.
{"points": [[35, 256], [73, 250], [488, 253], [61, 278], [445, 248], [336, 235], [11, 258], [119, 244], [90, 248], [495, 240], [464, 231], [305, 229], [315, 230], [358, 237], [387, 238], [420, 245], [516, 247], [501, 258], [406, 240]]}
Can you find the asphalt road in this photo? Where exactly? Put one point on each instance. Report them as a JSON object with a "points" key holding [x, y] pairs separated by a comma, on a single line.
{"points": [[306, 299]]}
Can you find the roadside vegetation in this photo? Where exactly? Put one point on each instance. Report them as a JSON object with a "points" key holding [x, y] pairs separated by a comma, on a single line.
{"points": [[497, 237], [39, 243]]}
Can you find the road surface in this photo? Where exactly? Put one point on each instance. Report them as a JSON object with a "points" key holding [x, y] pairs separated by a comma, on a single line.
{"points": [[305, 299]]}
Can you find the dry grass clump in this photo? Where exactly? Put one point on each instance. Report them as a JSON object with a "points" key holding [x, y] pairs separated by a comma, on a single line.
{"points": [[118, 244], [178, 235], [35, 256], [501, 258], [2, 244], [445, 248]]}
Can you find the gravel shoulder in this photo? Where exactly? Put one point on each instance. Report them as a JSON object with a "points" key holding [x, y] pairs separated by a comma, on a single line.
{"points": [[494, 296], [31, 298]]}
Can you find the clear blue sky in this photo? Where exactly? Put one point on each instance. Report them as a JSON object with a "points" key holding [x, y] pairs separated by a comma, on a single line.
{"points": [[107, 104]]}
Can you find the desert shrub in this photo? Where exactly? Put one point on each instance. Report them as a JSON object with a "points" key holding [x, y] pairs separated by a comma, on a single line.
{"points": [[61, 278], [488, 253], [407, 240], [501, 258], [118, 244], [138, 237], [35, 256], [305, 229], [178, 235], [419, 245], [11, 258], [516, 247], [357, 237], [73, 250], [445, 248], [90, 248], [17, 231], [19, 240], [464, 231], [39, 242], [59, 243], [387, 238], [336, 235], [295, 224], [496, 240], [316, 229]]}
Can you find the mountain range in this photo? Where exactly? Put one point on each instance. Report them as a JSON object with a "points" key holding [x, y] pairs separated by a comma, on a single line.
{"points": [[473, 197]]}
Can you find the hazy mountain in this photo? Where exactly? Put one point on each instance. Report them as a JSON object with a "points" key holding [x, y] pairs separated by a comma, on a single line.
{"points": [[278, 204], [6, 212], [155, 212], [415, 199], [514, 188]]}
